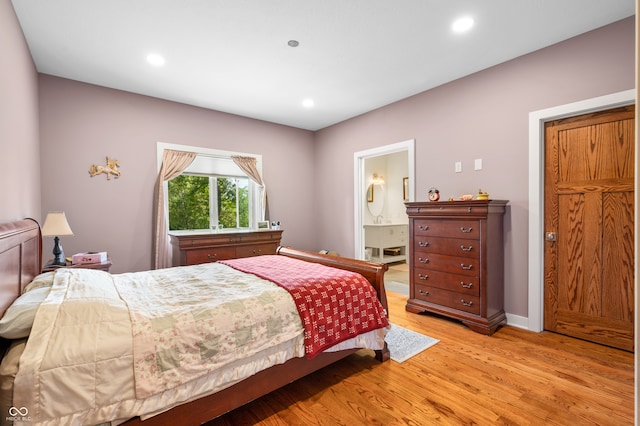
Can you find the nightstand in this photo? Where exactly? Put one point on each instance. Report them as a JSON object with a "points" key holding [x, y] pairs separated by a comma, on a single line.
{"points": [[104, 266]]}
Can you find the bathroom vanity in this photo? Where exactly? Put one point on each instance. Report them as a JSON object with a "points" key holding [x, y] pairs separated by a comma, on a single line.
{"points": [[387, 242]]}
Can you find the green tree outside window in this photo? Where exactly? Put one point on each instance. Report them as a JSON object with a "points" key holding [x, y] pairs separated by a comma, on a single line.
{"points": [[191, 204]]}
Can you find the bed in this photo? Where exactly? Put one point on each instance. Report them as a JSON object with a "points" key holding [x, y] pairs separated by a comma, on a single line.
{"points": [[191, 399]]}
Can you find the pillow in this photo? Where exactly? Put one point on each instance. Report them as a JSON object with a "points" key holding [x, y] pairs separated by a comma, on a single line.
{"points": [[43, 280], [18, 319]]}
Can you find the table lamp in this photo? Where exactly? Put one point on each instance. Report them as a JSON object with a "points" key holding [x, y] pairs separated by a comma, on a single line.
{"points": [[56, 225]]}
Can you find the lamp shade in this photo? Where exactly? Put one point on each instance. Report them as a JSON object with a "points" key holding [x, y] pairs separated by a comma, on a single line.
{"points": [[56, 225]]}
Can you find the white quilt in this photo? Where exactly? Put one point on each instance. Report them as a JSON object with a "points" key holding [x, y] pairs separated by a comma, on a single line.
{"points": [[106, 347]]}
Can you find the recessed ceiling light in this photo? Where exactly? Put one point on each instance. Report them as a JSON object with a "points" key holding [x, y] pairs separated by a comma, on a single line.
{"points": [[155, 60], [463, 24], [308, 103], [293, 43]]}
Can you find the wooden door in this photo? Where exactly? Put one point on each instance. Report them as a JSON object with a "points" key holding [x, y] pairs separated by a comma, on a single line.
{"points": [[589, 210]]}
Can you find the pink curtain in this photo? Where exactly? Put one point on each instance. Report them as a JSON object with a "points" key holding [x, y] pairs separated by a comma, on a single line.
{"points": [[173, 163], [250, 167]]}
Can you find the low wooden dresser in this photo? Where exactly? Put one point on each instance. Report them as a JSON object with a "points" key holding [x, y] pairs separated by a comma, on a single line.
{"points": [[191, 248], [457, 263]]}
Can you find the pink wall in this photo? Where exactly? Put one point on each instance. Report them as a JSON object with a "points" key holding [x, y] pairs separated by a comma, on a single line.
{"points": [[482, 116], [80, 124], [19, 144]]}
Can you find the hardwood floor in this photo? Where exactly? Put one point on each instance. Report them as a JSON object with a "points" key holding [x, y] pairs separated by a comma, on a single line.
{"points": [[514, 377]]}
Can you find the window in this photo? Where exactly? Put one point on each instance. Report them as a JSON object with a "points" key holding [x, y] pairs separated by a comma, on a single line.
{"points": [[212, 192], [201, 202]]}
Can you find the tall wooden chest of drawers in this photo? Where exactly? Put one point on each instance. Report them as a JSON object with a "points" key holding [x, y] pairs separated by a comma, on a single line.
{"points": [[457, 261]]}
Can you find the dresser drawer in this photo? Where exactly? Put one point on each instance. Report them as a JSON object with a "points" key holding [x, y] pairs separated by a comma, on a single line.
{"points": [[451, 299], [462, 284], [258, 237], [213, 254], [256, 250], [453, 264], [448, 246], [448, 209], [468, 229]]}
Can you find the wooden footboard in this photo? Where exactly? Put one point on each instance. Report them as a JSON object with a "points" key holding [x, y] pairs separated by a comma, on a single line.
{"points": [[373, 272]]}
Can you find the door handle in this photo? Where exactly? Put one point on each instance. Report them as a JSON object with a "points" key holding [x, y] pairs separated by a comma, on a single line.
{"points": [[550, 236]]}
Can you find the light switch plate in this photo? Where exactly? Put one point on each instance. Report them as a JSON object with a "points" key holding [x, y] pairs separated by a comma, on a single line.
{"points": [[477, 164], [458, 166]]}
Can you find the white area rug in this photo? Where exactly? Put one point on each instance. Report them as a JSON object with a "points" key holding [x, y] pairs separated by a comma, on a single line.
{"points": [[397, 287], [403, 343]]}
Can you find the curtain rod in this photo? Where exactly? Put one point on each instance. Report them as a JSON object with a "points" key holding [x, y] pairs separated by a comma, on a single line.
{"points": [[228, 157]]}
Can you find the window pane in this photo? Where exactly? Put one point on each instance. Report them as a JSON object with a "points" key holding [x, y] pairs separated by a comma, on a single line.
{"points": [[188, 202], [190, 208], [243, 202], [233, 202]]}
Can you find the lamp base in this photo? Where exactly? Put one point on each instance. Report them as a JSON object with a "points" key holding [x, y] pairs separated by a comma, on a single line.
{"points": [[58, 255]]}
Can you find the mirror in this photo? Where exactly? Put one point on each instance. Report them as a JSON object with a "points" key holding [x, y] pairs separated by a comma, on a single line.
{"points": [[375, 199]]}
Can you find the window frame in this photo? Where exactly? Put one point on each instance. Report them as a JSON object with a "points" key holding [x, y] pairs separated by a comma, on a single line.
{"points": [[255, 191]]}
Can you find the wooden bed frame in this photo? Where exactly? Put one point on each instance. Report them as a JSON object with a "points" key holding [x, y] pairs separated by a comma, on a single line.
{"points": [[20, 258], [21, 261]]}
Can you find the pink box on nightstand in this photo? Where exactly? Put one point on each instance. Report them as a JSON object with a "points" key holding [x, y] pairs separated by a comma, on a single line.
{"points": [[89, 257]]}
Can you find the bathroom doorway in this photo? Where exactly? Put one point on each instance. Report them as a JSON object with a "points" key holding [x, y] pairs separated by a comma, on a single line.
{"points": [[394, 183]]}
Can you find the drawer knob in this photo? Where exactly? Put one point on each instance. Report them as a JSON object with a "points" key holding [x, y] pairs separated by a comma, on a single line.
{"points": [[466, 230], [423, 227], [423, 260], [423, 243], [466, 267], [423, 293], [423, 277], [212, 256], [469, 248], [466, 303], [466, 285], [257, 252]]}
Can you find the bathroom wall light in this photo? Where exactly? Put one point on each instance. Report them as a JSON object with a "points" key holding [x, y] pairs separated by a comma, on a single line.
{"points": [[377, 180]]}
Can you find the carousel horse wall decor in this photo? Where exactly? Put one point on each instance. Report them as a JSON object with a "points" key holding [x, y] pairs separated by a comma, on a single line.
{"points": [[110, 169]]}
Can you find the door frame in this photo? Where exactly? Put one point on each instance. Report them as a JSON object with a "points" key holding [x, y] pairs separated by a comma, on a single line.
{"points": [[360, 185], [537, 119]]}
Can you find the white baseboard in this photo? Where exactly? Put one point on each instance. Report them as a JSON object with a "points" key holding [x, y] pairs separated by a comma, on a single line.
{"points": [[518, 321]]}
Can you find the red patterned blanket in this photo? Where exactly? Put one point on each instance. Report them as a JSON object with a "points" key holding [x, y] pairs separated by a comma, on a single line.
{"points": [[335, 305]]}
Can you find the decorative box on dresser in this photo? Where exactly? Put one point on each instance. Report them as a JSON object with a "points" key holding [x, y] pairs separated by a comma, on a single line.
{"points": [[191, 248], [457, 267]]}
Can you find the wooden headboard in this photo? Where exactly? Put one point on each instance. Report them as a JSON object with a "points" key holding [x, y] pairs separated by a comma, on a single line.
{"points": [[20, 258]]}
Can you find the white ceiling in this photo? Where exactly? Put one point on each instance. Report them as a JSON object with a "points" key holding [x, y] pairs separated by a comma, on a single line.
{"points": [[233, 56]]}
